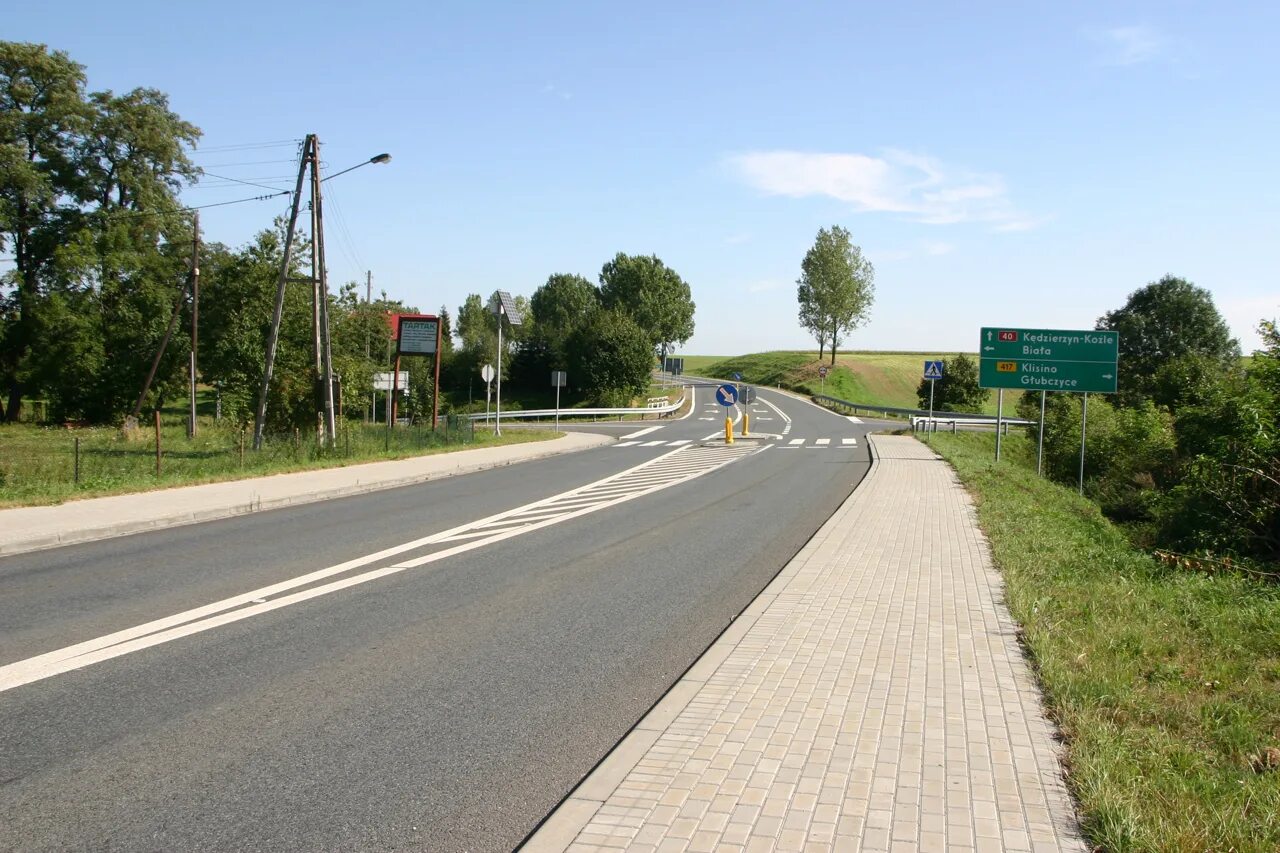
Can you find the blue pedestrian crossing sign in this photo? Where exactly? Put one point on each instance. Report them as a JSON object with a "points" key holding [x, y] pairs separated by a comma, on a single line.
{"points": [[933, 370], [727, 395]]}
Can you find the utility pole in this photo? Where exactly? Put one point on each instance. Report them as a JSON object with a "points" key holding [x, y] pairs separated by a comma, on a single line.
{"points": [[273, 338], [321, 277], [323, 353], [195, 320]]}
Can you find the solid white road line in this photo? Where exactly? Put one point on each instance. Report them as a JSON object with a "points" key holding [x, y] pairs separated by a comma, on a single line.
{"points": [[641, 432], [260, 600], [786, 429], [653, 443]]}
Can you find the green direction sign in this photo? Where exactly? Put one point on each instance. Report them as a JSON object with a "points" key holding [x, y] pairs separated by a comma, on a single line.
{"points": [[1049, 360], [1032, 375]]}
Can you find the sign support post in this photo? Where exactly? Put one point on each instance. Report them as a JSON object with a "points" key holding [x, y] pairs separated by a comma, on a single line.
{"points": [[558, 378], [1040, 443], [932, 372], [497, 421], [1084, 426], [502, 305], [999, 420]]}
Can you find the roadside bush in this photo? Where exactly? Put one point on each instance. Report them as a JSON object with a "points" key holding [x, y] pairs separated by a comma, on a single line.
{"points": [[1129, 453]]}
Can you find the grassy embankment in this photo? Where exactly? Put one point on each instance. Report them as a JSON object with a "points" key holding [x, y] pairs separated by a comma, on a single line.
{"points": [[873, 378], [1165, 681]]}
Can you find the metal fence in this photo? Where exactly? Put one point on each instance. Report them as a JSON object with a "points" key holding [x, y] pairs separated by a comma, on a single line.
{"points": [[103, 458]]}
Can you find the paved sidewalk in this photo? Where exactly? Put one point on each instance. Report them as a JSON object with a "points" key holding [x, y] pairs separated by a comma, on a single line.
{"points": [[873, 697], [33, 528]]}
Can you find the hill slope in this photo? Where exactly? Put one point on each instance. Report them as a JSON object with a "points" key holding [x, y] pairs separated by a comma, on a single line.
{"points": [[874, 378]]}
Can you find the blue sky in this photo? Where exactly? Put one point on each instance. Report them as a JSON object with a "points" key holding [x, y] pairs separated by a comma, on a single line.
{"points": [[1024, 164]]}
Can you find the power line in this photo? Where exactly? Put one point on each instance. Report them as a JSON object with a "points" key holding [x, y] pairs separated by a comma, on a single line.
{"points": [[248, 163], [250, 146], [121, 213], [238, 181]]}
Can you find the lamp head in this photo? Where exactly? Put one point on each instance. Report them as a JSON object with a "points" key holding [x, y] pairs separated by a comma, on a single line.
{"points": [[381, 158]]}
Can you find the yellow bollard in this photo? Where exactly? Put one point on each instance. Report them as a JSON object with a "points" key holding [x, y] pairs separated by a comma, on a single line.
{"points": [[728, 430], [746, 423]]}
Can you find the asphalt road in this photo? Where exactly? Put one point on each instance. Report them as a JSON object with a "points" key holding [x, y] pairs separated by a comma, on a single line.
{"points": [[448, 704]]}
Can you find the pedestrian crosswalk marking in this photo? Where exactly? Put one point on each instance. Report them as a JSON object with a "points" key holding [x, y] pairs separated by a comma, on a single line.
{"points": [[791, 444]]}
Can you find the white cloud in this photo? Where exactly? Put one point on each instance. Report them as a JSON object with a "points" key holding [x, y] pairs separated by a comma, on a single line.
{"points": [[1131, 45], [765, 285], [916, 186], [939, 248]]}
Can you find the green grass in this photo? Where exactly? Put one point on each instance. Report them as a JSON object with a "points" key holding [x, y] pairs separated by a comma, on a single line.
{"points": [[871, 378], [37, 464], [1165, 682]]}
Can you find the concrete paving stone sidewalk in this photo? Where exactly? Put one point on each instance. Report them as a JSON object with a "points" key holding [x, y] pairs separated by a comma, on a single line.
{"points": [[33, 528], [874, 697]]}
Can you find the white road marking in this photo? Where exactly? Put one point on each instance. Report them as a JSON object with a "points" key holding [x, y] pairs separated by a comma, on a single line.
{"points": [[786, 429], [796, 441], [653, 443], [626, 444], [849, 441], [823, 441], [853, 420], [651, 476], [641, 432], [680, 442]]}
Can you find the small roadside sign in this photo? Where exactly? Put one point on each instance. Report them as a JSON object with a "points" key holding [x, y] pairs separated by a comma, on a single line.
{"points": [[727, 395], [486, 373], [558, 378], [735, 376], [822, 372], [933, 370]]}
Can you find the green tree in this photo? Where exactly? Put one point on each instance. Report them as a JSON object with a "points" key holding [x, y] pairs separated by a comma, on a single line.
{"points": [[1166, 320], [655, 297], [836, 287], [957, 390], [610, 357], [43, 115], [88, 203]]}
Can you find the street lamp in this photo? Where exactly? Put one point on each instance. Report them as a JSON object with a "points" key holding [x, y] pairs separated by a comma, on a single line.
{"points": [[381, 158]]}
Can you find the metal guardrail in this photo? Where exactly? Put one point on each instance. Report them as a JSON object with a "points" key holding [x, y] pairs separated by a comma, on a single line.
{"points": [[974, 418], [582, 413], [927, 424]]}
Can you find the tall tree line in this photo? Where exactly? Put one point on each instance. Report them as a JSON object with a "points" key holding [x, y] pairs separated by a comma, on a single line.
{"points": [[99, 251]]}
